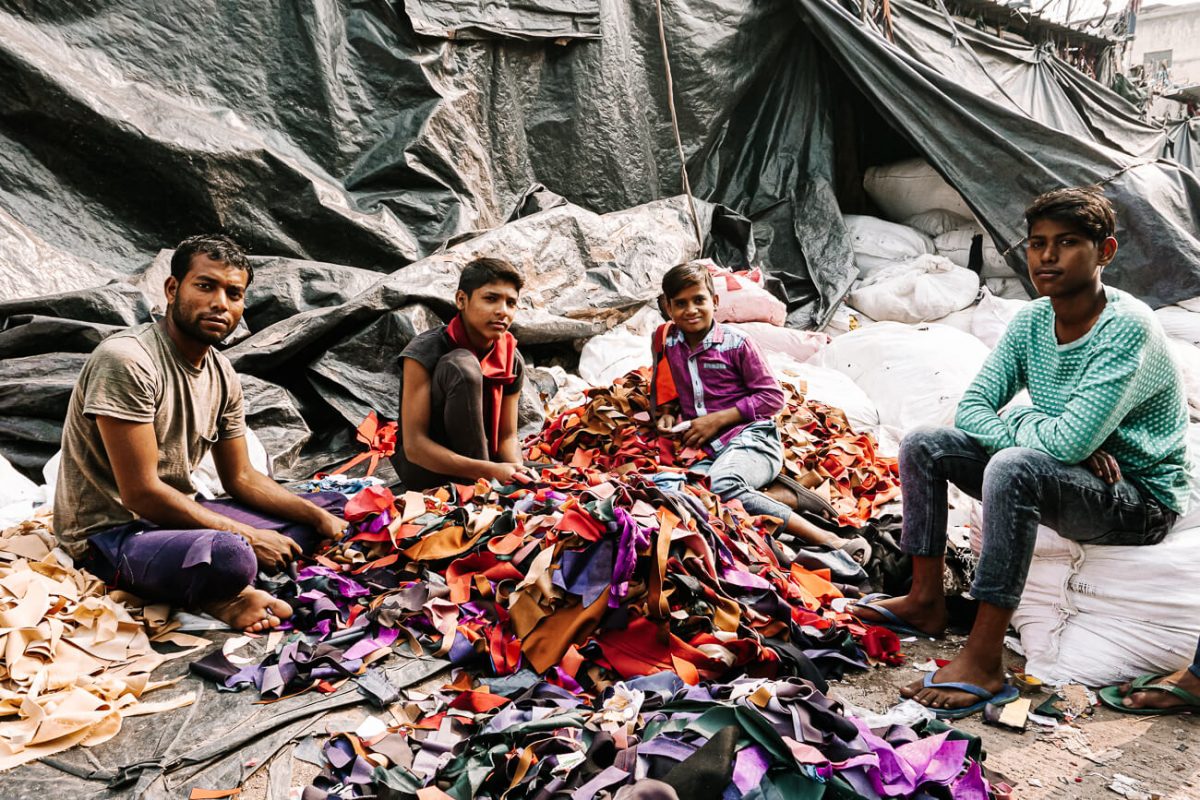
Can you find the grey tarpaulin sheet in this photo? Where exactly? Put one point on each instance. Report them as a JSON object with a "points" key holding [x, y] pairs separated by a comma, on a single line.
{"points": [[1183, 143], [214, 743], [1043, 86], [997, 158], [520, 19], [320, 348]]}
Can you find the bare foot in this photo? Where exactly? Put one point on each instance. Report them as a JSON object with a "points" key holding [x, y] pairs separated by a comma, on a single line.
{"points": [[1145, 698], [252, 611], [964, 669], [928, 617]]}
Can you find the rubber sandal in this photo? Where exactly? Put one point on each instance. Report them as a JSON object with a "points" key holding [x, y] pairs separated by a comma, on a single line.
{"points": [[858, 548], [986, 698], [1112, 696], [891, 620]]}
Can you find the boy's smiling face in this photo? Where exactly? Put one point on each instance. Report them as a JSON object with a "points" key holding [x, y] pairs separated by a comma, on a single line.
{"points": [[692, 311], [1063, 260]]}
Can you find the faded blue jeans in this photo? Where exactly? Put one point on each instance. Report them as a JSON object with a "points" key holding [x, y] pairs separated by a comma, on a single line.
{"points": [[1020, 488], [750, 461]]}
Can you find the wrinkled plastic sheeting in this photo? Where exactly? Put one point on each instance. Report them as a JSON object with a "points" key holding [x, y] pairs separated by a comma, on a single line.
{"points": [[1036, 82], [331, 131], [321, 345], [1183, 143], [515, 19], [998, 160]]}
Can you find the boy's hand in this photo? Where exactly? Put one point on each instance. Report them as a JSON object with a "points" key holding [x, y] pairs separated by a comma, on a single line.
{"points": [[506, 472], [704, 429], [273, 550], [665, 423], [329, 526], [1104, 466]]}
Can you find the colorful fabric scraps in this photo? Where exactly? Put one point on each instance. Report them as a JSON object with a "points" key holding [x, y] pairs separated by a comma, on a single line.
{"points": [[74, 662], [611, 430]]}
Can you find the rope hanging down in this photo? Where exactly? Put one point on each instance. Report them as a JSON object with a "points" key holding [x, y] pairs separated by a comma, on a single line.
{"points": [[687, 186]]}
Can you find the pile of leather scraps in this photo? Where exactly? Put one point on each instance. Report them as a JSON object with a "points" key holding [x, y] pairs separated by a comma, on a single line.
{"points": [[559, 595], [612, 430], [74, 663], [646, 737]]}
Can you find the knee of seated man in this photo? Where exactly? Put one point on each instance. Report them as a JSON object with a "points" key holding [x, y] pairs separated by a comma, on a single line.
{"points": [[727, 484], [232, 567], [463, 366], [1014, 464], [921, 442]]}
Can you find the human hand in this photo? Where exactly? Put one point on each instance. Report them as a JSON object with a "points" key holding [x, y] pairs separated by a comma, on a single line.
{"points": [[1104, 467], [329, 526], [273, 550], [508, 471], [703, 429], [665, 423]]}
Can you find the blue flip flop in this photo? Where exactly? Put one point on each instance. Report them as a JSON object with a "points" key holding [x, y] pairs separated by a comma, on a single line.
{"points": [[891, 620], [1002, 697]]}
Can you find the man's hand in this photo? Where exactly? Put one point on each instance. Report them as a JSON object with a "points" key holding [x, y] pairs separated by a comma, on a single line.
{"points": [[273, 550], [505, 471], [665, 423], [1104, 466], [328, 526], [705, 428]]}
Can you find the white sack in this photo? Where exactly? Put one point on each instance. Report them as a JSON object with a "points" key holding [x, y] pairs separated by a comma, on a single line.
{"points": [[936, 222], [926, 288], [1192, 304], [606, 357], [742, 298], [1007, 288], [960, 320], [956, 246], [911, 187], [992, 316], [1187, 358], [1099, 614], [878, 243], [846, 319], [18, 495], [800, 345], [1180, 323], [915, 375]]}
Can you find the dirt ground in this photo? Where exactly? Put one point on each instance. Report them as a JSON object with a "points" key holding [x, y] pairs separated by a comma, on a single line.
{"points": [[1162, 754]]}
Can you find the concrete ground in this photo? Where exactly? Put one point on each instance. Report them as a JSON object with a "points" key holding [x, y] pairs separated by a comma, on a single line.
{"points": [[1161, 753]]}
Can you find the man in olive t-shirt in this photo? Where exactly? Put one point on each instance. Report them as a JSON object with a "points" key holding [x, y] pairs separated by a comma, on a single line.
{"points": [[149, 404]]}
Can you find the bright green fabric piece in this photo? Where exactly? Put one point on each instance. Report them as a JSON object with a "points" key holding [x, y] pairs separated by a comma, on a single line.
{"points": [[1117, 388]]}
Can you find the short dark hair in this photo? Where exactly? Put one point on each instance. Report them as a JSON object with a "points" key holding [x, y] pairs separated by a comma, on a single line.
{"points": [[1084, 208], [216, 246], [482, 271], [681, 276]]}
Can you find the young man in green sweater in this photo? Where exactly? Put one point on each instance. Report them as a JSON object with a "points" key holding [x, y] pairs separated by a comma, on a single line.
{"points": [[1100, 457]]}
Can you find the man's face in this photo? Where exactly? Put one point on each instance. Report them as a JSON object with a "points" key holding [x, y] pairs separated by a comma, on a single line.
{"points": [[489, 310], [692, 310], [1062, 260], [208, 303]]}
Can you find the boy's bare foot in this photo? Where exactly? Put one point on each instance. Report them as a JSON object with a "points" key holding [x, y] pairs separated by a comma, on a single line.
{"points": [[252, 611], [929, 618], [964, 669], [1143, 698]]}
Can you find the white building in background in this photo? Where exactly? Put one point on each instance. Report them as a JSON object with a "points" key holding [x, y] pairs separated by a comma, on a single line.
{"points": [[1166, 45]]}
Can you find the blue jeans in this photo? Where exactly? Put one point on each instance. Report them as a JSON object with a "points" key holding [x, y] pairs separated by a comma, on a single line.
{"points": [[1020, 488], [750, 461]]}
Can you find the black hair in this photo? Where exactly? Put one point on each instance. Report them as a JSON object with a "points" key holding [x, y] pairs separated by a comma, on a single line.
{"points": [[1084, 208], [482, 271], [216, 246], [681, 276]]}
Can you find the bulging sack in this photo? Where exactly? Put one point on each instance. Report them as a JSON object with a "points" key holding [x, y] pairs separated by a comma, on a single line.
{"points": [[879, 244], [742, 298], [911, 187], [926, 288]]}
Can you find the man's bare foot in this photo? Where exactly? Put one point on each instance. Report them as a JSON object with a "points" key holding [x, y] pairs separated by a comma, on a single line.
{"points": [[928, 617], [252, 611], [964, 669], [1144, 698]]}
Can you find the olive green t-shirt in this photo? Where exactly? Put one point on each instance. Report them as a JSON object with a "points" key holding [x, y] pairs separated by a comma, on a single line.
{"points": [[137, 375]]}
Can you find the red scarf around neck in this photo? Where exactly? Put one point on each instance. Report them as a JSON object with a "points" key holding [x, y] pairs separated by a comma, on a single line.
{"points": [[498, 364]]}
